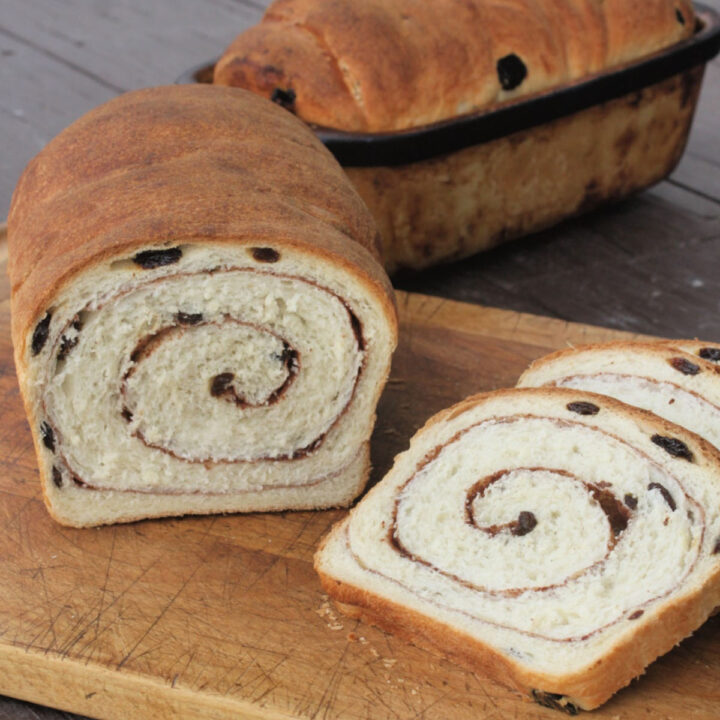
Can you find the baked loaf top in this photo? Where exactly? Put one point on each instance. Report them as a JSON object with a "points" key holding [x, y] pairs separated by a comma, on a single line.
{"points": [[550, 538], [384, 65], [176, 164]]}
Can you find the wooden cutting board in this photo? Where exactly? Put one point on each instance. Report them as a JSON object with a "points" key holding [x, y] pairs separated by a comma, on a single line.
{"points": [[223, 617]]}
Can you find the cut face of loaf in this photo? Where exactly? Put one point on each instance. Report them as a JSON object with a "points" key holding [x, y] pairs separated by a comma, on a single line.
{"points": [[676, 380], [551, 538], [220, 347]]}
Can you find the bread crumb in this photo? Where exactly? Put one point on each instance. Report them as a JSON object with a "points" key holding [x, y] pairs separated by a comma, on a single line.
{"points": [[352, 637], [326, 612]]}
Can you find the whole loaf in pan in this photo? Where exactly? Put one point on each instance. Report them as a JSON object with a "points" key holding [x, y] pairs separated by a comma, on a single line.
{"points": [[386, 66], [199, 317]]}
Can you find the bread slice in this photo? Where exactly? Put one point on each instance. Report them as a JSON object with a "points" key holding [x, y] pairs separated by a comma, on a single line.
{"points": [[557, 540], [200, 320], [708, 351], [662, 377]]}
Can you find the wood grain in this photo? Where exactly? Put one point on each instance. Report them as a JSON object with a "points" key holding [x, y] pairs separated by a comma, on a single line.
{"points": [[223, 617]]}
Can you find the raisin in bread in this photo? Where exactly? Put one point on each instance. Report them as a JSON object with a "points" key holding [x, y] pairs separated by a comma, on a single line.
{"points": [[520, 535], [199, 318], [663, 377], [384, 65]]}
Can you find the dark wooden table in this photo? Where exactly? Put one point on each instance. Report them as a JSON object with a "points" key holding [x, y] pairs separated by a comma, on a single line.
{"points": [[650, 264]]}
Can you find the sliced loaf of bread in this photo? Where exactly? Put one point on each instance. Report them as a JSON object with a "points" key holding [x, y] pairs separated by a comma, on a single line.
{"points": [[556, 540], [200, 320]]}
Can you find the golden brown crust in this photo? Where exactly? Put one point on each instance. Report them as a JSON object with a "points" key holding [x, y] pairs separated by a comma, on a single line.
{"points": [[588, 687], [664, 349], [707, 351], [380, 66], [179, 164]]}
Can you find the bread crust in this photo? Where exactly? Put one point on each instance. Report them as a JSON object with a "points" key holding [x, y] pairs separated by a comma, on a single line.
{"points": [[588, 687], [586, 690], [133, 172], [376, 66], [707, 351], [659, 348]]}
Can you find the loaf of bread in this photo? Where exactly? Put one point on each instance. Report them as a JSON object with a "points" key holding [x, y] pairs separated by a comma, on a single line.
{"points": [[663, 378], [384, 65], [199, 318], [556, 540]]}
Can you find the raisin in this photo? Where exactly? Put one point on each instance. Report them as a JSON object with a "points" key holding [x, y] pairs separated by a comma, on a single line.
{"points": [[511, 71], [708, 353], [219, 384], [665, 493], [188, 318], [680, 17], [127, 414], [554, 701], [631, 501], [684, 366], [40, 336], [66, 345], [636, 615], [265, 254], [616, 514], [583, 408], [716, 549], [149, 259], [57, 477], [284, 97], [673, 446], [526, 523], [48, 436]]}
